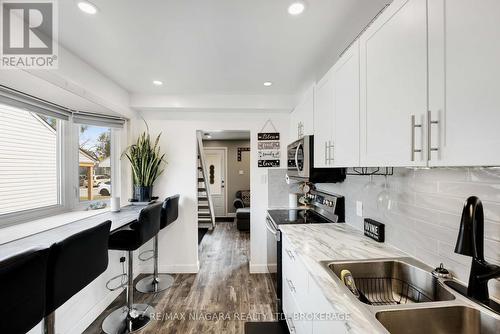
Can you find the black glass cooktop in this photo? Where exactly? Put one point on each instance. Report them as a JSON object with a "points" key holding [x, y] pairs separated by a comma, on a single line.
{"points": [[296, 216]]}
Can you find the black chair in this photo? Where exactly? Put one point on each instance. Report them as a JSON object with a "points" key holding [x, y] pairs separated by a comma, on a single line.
{"points": [[73, 264], [159, 282], [133, 317], [23, 297]]}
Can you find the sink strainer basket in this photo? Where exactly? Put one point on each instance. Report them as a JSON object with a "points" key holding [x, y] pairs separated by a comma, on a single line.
{"points": [[389, 291]]}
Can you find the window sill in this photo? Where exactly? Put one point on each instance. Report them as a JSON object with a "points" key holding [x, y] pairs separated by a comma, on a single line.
{"points": [[14, 232]]}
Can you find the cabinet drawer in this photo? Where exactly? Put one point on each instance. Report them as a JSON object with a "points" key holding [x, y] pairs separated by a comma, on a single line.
{"points": [[295, 320], [295, 276]]}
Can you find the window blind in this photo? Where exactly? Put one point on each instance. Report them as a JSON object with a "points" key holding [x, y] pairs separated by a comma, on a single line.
{"points": [[15, 98], [12, 97], [98, 120]]}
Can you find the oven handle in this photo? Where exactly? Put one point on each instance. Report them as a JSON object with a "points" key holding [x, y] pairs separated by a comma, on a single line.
{"points": [[272, 229]]}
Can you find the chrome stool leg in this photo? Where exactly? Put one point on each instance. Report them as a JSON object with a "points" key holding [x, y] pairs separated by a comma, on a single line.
{"points": [[156, 282], [132, 317], [49, 324]]}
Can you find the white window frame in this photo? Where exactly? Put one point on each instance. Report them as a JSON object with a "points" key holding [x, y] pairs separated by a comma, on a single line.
{"points": [[68, 153], [115, 168]]}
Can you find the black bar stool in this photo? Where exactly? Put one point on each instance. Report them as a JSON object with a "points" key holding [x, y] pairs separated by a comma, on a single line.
{"points": [[22, 297], [73, 264], [133, 317], [159, 282]]}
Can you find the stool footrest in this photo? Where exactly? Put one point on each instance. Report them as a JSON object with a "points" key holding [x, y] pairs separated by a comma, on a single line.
{"points": [[123, 283], [142, 258]]}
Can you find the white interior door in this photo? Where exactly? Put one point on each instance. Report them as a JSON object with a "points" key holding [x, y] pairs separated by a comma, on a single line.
{"points": [[216, 164]]}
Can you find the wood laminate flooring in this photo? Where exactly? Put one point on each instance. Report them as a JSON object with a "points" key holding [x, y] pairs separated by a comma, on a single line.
{"points": [[219, 299]]}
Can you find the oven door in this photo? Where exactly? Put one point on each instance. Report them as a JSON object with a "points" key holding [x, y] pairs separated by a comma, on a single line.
{"points": [[273, 236], [274, 259]]}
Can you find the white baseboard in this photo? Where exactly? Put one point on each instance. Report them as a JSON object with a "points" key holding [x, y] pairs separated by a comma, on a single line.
{"points": [[258, 268]]}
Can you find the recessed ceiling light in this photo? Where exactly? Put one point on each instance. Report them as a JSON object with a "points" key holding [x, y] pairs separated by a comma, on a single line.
{"points": [[87, 7], [157, 82], [296, 8], [268, 83]]}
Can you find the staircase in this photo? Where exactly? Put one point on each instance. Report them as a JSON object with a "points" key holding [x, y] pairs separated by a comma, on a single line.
{"points": [[206, 216]]}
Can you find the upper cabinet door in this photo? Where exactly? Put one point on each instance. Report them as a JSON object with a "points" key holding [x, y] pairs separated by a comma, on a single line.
{"points": [[393, 54], [301, 119], [464, 73], [323, 120], [345, 151]]}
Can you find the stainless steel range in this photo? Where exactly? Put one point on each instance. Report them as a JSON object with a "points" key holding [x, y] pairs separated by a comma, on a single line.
{"points": [[325, 208]]}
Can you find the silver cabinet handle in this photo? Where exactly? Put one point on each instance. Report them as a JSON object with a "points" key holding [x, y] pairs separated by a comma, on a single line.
{"points": [[430, 123], [291, 326], [291, 286], [290, 254], [326, 153], [413, 127], [331, 151]]}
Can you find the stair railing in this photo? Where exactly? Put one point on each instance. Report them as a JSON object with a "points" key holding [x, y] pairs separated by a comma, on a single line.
{"points": [[204, 172]]}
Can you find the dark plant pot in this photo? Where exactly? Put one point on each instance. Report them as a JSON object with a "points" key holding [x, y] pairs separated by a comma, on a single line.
{"points": [[143, 194]]}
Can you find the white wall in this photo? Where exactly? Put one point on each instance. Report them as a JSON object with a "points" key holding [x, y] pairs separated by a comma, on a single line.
{"points": [[178, 243]]}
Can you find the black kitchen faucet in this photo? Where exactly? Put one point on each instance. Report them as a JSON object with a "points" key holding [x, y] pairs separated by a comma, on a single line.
{"points": [[470, 242]]}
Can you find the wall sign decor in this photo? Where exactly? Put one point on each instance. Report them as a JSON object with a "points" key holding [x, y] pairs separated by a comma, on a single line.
{"points": [[268, 136], [268, 145], [241, 150]]}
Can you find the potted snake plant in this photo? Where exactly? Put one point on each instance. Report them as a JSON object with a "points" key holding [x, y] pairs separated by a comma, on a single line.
{"points": [[147, 162]]}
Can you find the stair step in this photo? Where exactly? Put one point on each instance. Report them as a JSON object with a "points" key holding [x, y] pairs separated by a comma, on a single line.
{"points": [[203, 207], [199, 168], [202, 199], [205, 225], [202, 215], [200, 179], [202, 189]]}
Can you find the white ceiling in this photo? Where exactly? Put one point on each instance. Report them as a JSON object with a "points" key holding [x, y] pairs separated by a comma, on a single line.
{"points": [[212, 46]]}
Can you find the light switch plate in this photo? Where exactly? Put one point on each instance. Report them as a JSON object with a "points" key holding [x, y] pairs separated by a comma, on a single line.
{"points": [[241, 172], [359, 208]]}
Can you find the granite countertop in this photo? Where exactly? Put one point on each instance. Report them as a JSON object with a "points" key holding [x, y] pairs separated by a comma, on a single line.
{"points": [[314, 243]]}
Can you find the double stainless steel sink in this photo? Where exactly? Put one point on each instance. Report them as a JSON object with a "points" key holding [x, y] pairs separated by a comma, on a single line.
{"points": [[405, 297]]}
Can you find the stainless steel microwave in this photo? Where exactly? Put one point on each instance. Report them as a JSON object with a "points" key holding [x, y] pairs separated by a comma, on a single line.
{"points": [[300, 164]]}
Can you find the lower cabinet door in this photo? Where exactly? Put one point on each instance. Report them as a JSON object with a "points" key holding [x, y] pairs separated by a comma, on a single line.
{"points": [[296, 319], [326, 320]]}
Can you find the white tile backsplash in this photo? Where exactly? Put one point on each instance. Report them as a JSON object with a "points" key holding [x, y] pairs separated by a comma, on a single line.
{"points": [[422, 208]]}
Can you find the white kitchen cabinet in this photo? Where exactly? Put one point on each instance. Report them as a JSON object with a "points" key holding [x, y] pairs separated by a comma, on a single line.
{"points": [[323, 120], [393, 86], [464, 69], [328, 320], [336, 113], [345, 136], [306, 308], [295, 290], [301, 118]]}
